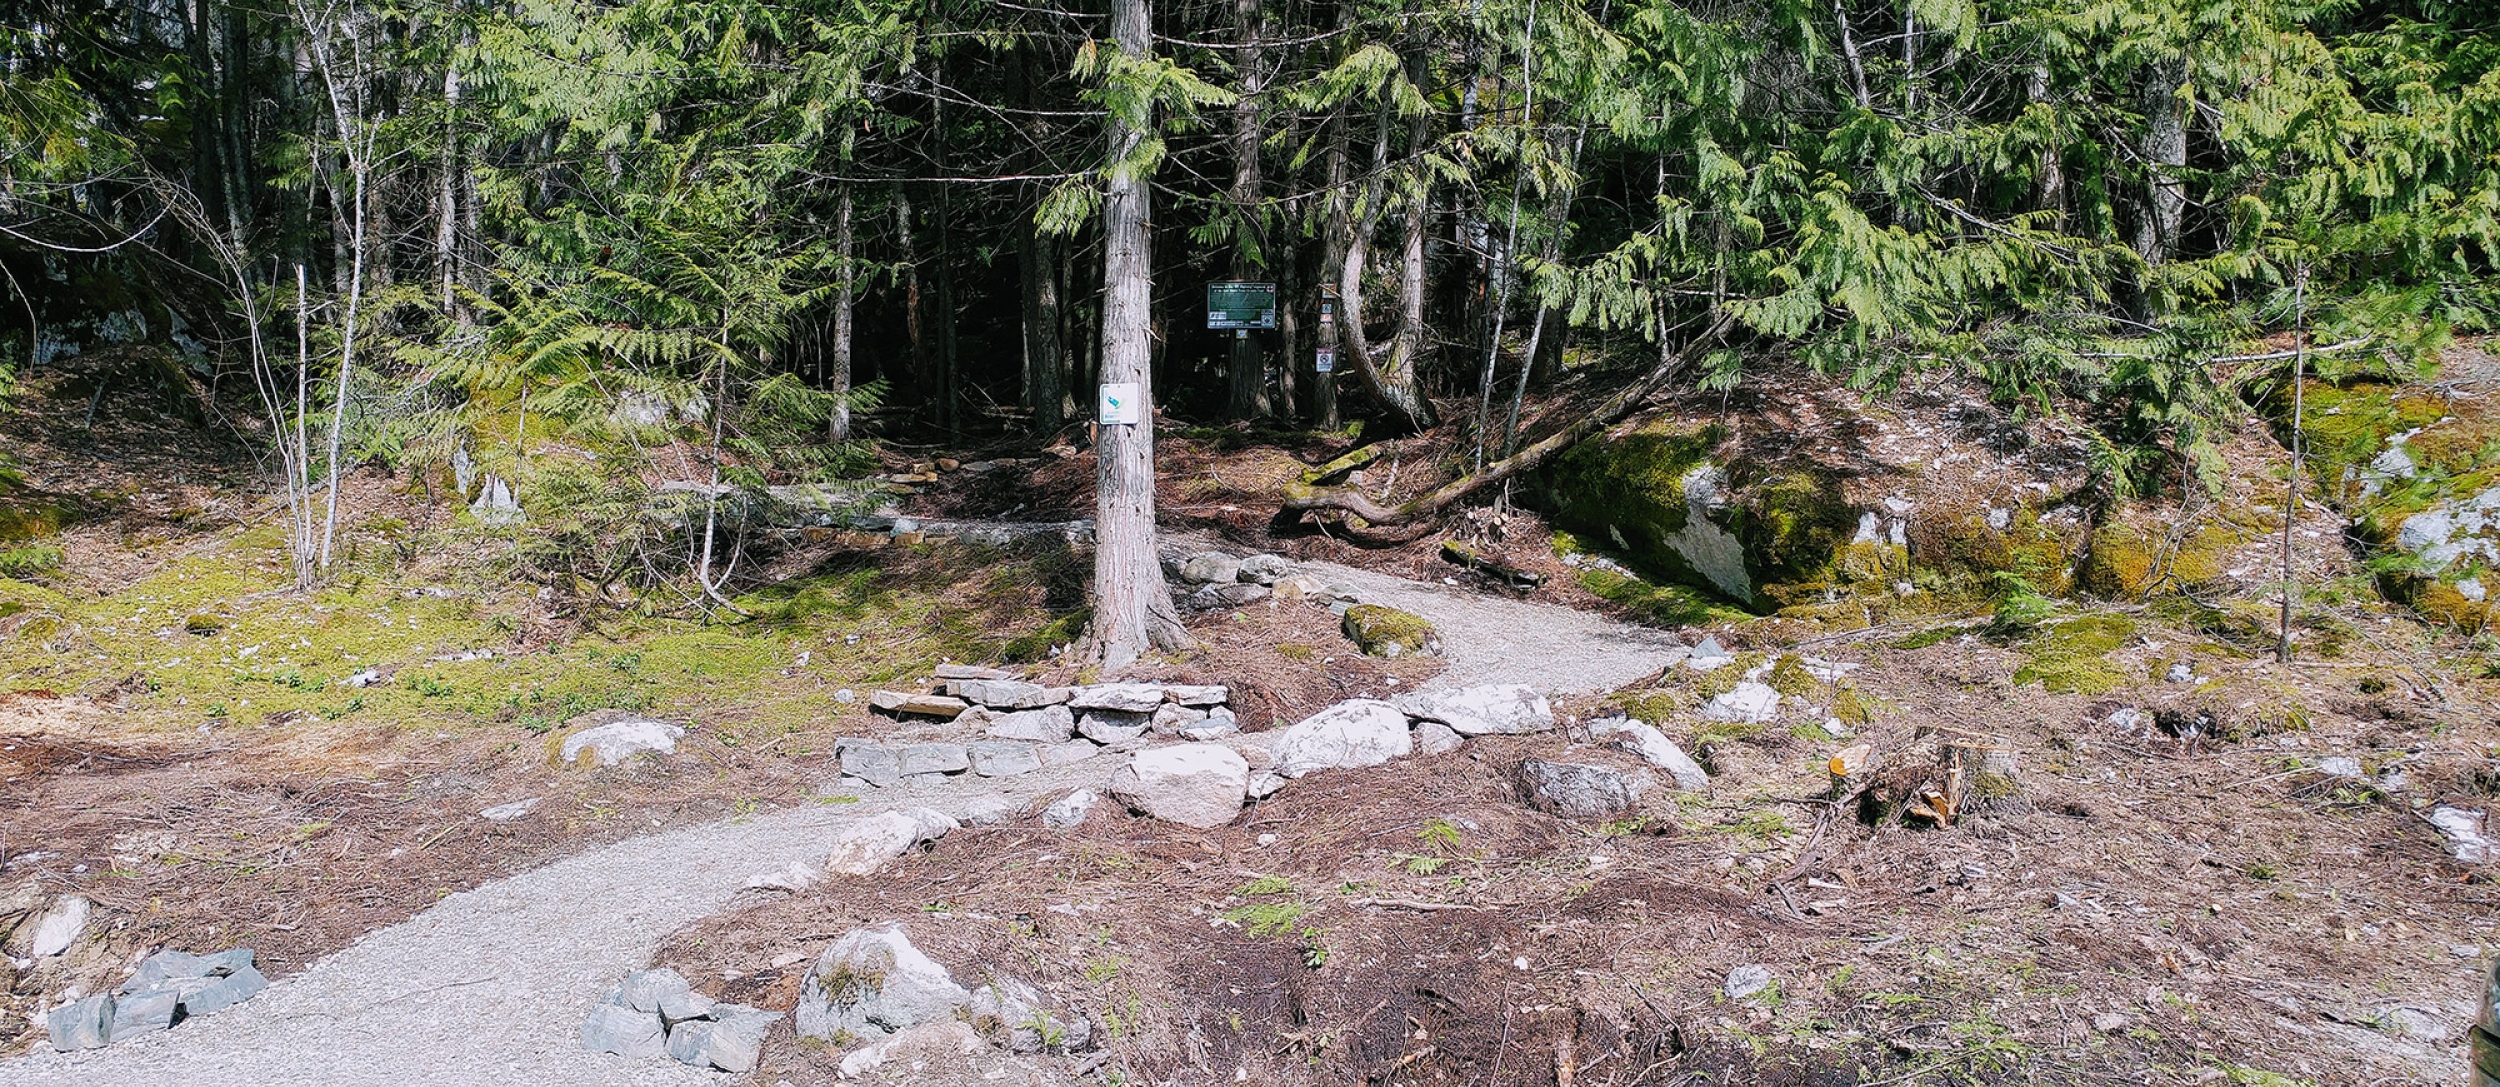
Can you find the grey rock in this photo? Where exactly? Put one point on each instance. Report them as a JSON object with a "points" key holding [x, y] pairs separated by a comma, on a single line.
{"points": [[1199, 785], [1197, 694], [935, 759], [1000, 758], [619, 741], [866, 845], [614, 1028], [225, 992], [1476, 711], [83, 1025], [1111, 727], [1747, 980], [1171, 716], [1047, 725], [2342, 766], [58, 927], [1264, 784], [846, 696], [143, 1013], [1654, 748], [1355, 733], [1747, 702], [2180, 672], [912, 702], [1021, 1020], [875, 764], [1299, 587], [1579, 790], [164, 966], [650, 990], [1006, 694], [1435, 738], [505, 813], [1210, 566], [1215, 726], [873, 982], [1070, 810], [1219, 597], [731, 1041], [1072, 751], [972, 671], [987, 811], [1263, 569], [1120, 697], [229, 961]]}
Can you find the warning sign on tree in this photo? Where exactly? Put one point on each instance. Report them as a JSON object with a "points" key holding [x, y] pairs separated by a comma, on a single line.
{"points": [[1236, 304]]}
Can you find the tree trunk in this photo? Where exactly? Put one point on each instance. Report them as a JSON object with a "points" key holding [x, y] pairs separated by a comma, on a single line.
{"points": [[1045, 347], [918, 361], [845, 298], [447, 198], [1247, 370], [2165, 151], [2050, 186], [1132, 609], [1397, 381], [1333, 251]]}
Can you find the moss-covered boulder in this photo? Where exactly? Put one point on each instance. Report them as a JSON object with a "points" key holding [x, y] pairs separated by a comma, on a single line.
{"points": [[2417, 469], [1387, 632], [1803, 499]]}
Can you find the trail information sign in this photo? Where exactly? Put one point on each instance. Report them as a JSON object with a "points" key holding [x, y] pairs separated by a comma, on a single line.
{"points": [[1234, 304]]}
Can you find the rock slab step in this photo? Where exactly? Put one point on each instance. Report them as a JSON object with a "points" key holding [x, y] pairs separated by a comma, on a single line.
{"points": [[1351, 734], [1579, 790], [1506, 708], [1199, 785]]}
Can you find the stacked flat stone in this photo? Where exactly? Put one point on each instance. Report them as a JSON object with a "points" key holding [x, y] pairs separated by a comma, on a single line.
{"points": [[1026, 726], [170, 987], [655, 1014]]}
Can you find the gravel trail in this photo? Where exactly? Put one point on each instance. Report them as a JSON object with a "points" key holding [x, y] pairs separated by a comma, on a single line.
{"points": [[491, 985]]}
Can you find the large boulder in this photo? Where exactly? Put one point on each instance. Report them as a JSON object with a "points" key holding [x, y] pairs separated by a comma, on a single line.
{"points": [[1199, 785], [618, 740], [871, 983], [1476, 711], [1356, 733]]}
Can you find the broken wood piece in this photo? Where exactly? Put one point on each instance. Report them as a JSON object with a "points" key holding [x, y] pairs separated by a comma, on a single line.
{"points": [[1459, 554]]}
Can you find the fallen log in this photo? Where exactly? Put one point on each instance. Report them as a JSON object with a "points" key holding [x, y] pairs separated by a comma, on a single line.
{"points": [[1301, 497], [1461, 555]]}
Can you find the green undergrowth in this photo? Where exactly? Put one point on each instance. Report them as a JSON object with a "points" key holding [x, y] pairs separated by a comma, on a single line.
{"points": [[1665, 605], [2071, 656], [219, 635]]}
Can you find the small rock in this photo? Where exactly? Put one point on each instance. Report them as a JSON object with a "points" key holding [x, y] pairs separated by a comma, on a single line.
{"points": [[1298, 586], [1747, 980], [615, 1028], [998, 759], [1169, 717], [618, 741], [1199, 785], [1708, 655], [2340, 766], [1748, 702], [972, 671], [875, 764], [987, 811], [164, 966], [1117, 697], [58, 927], [1264, 784], [1435, 738], [870, 842], [846, 696], [1654, 748], [1477, 711], [730, 1040], [2180, 672], [2129, 719], [1579, 790], [505, 813], [1216, 726], [1263, 569], [82, 1025], [1210, 567], [927, 705], [1112, 726], [648, 990], [144, 1013], [1048, 725], [1023, 1021], [935, 759], [2467, 838], [225, 992], [1070, 810], [1387, 632], [2111, 1022], [922, 1049], [795, 878], [1220, 597], [365, 678], [873, 982], [1356, 733]]}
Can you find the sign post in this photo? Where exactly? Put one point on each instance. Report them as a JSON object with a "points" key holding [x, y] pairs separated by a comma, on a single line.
{"points": [[1238, 306], [1119, 404]]}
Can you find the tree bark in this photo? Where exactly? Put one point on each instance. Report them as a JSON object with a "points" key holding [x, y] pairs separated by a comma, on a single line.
{"points": [[1045, 344], [1333, 251], [845, 299], [2050, 186], [2165, 151], [1133, 610], [447, 197], [918, 362], [1247, 370]]}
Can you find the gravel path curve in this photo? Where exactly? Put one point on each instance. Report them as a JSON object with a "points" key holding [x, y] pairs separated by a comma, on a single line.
{"points": [[491, 985]]}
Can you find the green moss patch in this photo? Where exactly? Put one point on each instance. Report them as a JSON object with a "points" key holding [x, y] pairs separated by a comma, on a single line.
{"points": [[2071, 657]]}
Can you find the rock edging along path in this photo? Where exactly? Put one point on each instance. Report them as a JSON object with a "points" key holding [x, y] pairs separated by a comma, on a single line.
{"points": [[491, 984]]}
